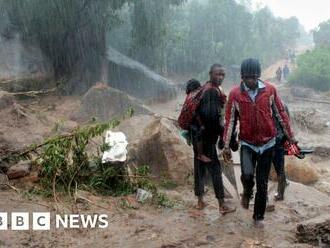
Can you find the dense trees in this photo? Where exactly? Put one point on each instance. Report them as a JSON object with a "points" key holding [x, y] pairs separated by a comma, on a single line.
{"points": [[170, 36], [322, 34], [187, 38], [313, 67]]}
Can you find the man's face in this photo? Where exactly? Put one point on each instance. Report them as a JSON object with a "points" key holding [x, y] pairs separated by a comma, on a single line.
{"points": [[251, 82], [217, 75]]}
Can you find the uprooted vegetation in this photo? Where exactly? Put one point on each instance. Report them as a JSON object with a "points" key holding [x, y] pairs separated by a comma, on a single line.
{"points": [[67, 164]]}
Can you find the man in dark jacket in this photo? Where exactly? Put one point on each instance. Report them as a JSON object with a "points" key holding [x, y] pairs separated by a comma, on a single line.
{"points": [[209, 111], [254, 103]]}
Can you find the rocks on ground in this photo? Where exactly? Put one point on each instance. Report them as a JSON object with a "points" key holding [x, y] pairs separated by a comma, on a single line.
{"points": [[138, 80], [19, 170], [301, 171], [315, 231], [103, 102], [157, 143]]}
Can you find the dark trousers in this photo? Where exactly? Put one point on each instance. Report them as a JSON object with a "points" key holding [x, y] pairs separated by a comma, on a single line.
{"points": [[214, 168], [278, 160], [259, 164]]}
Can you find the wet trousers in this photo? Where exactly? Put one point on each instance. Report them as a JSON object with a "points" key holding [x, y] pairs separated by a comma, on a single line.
{"points": [[253, 163]]}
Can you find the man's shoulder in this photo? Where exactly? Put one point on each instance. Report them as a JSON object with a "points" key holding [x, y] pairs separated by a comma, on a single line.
{"points": [[269, 85], [236, 89], [209, 88]]}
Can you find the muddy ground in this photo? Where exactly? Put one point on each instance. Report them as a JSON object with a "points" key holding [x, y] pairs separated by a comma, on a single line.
{"points": [[144, 225]]}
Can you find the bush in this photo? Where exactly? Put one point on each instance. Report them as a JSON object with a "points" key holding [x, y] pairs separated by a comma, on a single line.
{"points": [[313, 69]]}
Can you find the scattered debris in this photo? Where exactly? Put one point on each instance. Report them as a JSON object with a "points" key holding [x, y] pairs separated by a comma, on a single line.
{"points": [[315, 231], [250, 243], [143, 195], [21, 169], [117, 143]]}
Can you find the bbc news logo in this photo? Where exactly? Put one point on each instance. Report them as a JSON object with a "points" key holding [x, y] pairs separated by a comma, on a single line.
{"points": [[42, 221]]}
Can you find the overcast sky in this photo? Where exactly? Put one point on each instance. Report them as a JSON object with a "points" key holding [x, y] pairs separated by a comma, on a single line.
{"points": [[309, 12]]}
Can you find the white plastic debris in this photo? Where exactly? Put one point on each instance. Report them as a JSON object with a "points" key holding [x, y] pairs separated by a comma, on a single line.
{"points": [[143, 195], [118, 144]]}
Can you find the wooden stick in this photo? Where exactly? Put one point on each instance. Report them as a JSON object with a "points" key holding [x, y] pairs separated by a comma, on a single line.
{"points": [[32, 93]]}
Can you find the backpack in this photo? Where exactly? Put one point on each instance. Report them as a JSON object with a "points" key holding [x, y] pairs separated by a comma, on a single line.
{"points": [[191, 104]]}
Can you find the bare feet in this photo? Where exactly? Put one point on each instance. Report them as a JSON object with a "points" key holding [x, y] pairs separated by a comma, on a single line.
{"points": [[204, 158], [201, 205], [224, 209]]}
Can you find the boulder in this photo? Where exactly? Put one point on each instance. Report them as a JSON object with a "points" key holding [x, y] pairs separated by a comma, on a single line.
{"points": [[315, 231], [103, 102], [160, 146], [300, 171], [19, 170], [137, 79]]}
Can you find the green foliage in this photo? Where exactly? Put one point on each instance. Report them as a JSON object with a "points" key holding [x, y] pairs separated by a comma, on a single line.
{"points": [[149, 30], [110, 180], [168, 184], [65, 165], [322, 34], [313, 69], [187, 38], [161, 200], [64, 161]]}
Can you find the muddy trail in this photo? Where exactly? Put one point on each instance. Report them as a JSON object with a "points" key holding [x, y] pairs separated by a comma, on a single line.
{"points": [[132, 224]]}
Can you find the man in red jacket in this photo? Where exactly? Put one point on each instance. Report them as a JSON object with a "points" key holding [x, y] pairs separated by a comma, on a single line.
{"points": [[254, 104]]}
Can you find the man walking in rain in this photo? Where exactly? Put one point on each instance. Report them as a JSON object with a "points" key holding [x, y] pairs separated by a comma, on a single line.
{"points": [[254, 104], [209, 111]]}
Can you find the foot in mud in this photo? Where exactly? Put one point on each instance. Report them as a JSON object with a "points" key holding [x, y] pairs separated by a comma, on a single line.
{"points": [[270, 208], [278, 197], [259, 224], [201, 205], [245, 201], [204, 158], [224, 209]]}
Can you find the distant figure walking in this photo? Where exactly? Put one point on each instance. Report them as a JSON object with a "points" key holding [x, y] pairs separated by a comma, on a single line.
{"points": [[279, 74], [286, 72]]}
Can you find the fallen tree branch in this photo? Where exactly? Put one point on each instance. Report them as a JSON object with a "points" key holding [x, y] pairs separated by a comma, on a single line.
{"points": [[19, 110], [33, 93], [11, 186], [23, 152]]}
